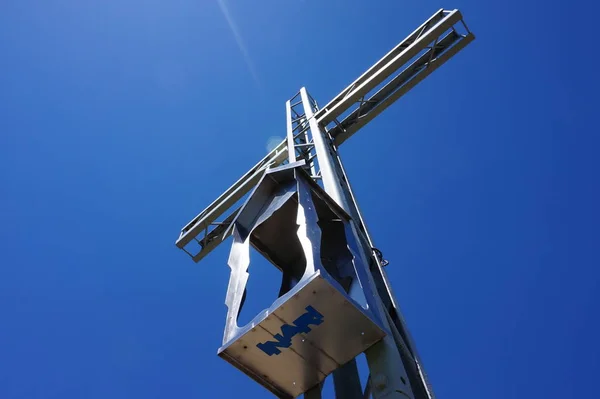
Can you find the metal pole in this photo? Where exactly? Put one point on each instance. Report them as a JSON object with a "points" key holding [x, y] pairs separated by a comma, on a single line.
{"points": [[388, 376]]}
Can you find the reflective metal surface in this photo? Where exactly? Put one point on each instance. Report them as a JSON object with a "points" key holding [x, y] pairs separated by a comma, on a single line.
{"points": [[345, 332], [333, 283], [321, 319]]}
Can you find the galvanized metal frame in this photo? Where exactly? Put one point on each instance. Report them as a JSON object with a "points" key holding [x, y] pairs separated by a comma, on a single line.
{"points": [[423, 51], [384, 358], [431, 45], [272, 200], [299, 145], [313, 137]]}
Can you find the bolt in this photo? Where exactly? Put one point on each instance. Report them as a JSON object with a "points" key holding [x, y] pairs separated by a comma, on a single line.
{"points": [[379, 381]]}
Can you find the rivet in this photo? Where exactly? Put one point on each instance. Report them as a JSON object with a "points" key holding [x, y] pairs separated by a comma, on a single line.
{"points": [[379, 381]]}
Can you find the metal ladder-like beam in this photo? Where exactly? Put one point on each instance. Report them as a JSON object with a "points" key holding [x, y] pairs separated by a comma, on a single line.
{"points": [[418, 55]]}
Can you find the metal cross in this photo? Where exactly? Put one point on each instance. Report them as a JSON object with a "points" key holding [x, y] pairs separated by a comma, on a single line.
{"points": [[313, 136]]}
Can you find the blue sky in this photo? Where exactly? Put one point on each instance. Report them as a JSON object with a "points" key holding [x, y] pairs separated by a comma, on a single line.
{"points": [[119, 121]]}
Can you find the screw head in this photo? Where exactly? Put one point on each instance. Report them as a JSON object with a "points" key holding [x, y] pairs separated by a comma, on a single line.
{"points": [[379, 381]]}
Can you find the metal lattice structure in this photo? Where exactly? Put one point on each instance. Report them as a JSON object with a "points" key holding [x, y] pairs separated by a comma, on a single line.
{"points": [[301, 214]]}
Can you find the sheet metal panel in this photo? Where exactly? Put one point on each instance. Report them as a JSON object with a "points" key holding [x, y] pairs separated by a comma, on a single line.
{"points": [[345, 331]]}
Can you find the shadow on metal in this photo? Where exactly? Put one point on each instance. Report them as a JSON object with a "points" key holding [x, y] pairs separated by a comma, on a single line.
{"points": [[321, 319]]}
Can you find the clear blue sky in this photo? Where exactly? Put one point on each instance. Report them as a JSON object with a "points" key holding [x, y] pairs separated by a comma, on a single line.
{"points": [[119, 121]]}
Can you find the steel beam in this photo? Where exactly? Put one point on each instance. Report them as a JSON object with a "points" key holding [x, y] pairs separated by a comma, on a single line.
{"points": [[233, 194], [416, 57], [385, 67], [399, 86]]}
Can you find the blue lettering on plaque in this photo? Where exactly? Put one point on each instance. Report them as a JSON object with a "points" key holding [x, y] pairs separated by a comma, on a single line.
{"points": [[301, 325]]}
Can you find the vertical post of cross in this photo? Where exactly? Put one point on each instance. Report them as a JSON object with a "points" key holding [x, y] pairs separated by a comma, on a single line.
{"points": [[384, 360]]}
